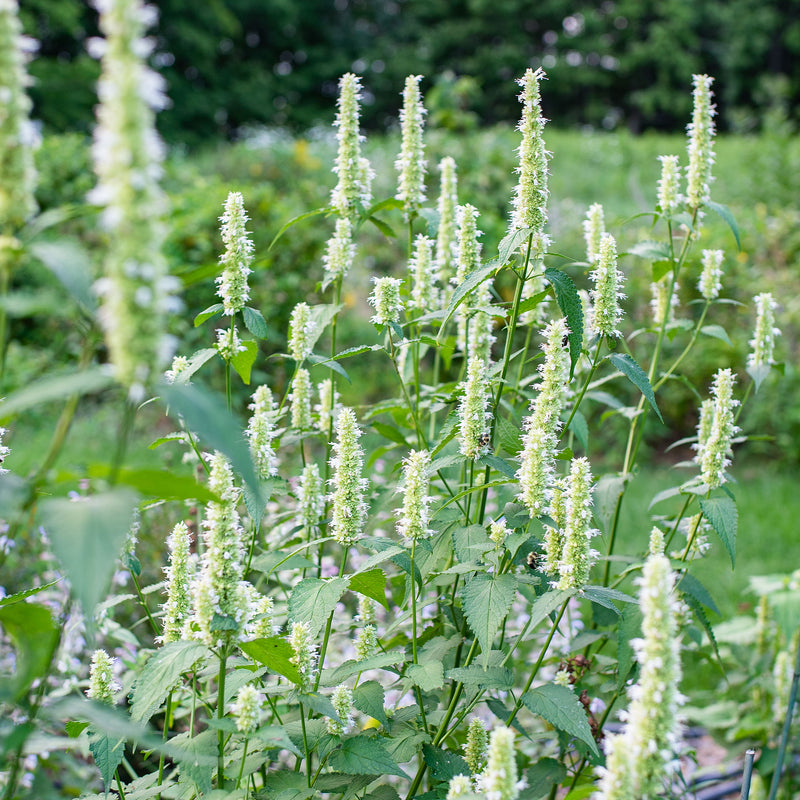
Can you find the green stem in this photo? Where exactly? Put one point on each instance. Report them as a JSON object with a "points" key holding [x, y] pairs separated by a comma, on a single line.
{"points": [[329, 624], [306, 753], [143, 604], [126, 426], [6, 263], [595, 362], [167, 722], [787, 725], [241, 766], [223, 663], [686, 350], [538, 663], [417, 690], [422, 442], [119, 785]]}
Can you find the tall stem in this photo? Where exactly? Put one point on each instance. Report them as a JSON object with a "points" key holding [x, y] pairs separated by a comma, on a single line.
{"points": [[787, 726], [223, 664]]}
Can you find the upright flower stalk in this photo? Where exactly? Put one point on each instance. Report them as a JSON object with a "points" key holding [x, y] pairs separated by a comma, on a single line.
{"points": [[17, 136], [710, 281], [178, 605], [669, 197], [414, 517], [422, 269], [446, 236], [339, 252], [261, 432], [102, 686], [714, 438], [302, 329], [238, 255], [385, 299], [473, 410], [468, 260], [577, 555], [136, 290], [763, 341], [410, 164], [349, 509], [607, 292], [700, 146], [593, 230]]}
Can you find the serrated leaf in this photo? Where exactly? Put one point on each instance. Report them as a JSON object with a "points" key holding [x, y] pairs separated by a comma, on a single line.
{"points": [[107, 754], [487, 601], [722, 514], [161, 674], [369, 698], [364, 755], [700, 613], [652, 251], [637, 376], [546, 605], [244, 358], [442, 764], [474, 279], [471, 543], [313, 601], [571, 307], [499, 465], [207, 416], [57, 387], [330, 364], [580, 428], [86, 537], [197, 757], [71, 265], [512, 242], [212, 311], [275, 736], [371, 583], [275, 653], [717, 332], [427, 676], [690, 585], [604, 596], [606, 493], [254, 322], [349, 668], [542, 777], [489, 678], [727, 216], [33, 631], [559, 706], [319, 703], [510, 436], [18, 597]]}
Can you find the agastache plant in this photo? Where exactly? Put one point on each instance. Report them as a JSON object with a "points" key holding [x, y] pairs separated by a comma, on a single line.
{"points": [[136, 290], [238, 255], [763, 341], [577, 555], [353, 171], [607, 292], [339, 252], [261, 432], [593, 230], [301, 330], [447, 236], [410, 164], [414, 517], [700, 147], [714, 449], [348, 506], [422, 270], [178, 604], [669, 197], [710, 278]]}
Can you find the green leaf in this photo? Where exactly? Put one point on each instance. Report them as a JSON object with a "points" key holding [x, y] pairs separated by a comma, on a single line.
{"points": [[276, 736], [490, 678], [659, 269], [570, 304], [369, 698], [157, 483], [559, 706], [208, 313], [727, 216], [390, 432], [364, 755], [604, 596], [759, 373], [382, 226], [471, 543], [427, 676], [510, 436], [717, 332], [606, 493], [57, 387], [487, 601], [722, 514], [580, 428], [18, 597], [108, 754], [254, 322], [474, 279], [71, 265], [330, 364], [371, 583], [244, 359], [636, 375], [208, 416], [630, 627], [546, 605], [313, 600], [74, 729], [512, 242], [442, 764], [542, 777], [320, 317], [161, 674], [275, 653], [319, 703], [349, 668], [86, 537], [308, 215], [498, 464], [197, 757], [652, 251], [197, 359], [33, 631]]}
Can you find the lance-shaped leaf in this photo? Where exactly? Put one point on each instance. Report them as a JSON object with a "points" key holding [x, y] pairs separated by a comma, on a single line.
{"points": [[487, 601]]}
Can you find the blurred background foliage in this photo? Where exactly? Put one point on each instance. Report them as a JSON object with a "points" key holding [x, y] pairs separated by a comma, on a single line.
{"points": [[235, 63]]}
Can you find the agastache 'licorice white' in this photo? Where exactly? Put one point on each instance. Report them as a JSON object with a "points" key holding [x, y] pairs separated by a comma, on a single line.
{"points": [[238, 255], [554, 537], [499, 780], [229, 343], [473, 410], [328, 406], [302, 329], [700, 145], [102, 685], [339, 252], [349, 509], [607, 291], [446, 237], [498, 531], [261, 432], [541, 426], [714, 450], [5, 450], [246, 709], [468, 251], [410, 164], [136, 291], [459, 786], [180, 365], [669, 197], [616, 778], [481, 325], [262, 619], [476, 746], [352, 171], [304, 653], [178, 604], [17, 135], [342, 701], [710, 283], [414, 517], [593, 230], [422, 270], [300, 399], [652, 720], [385, 299], [310, 497], [661, 303], [218, 588], [763, 341], [782, 672], [530, 198], [366, 642], [577, 555]]}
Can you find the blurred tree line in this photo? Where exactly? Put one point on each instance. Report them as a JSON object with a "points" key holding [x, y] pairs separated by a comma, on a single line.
{"points": [[230, 63]]}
